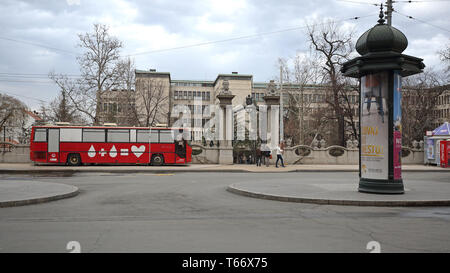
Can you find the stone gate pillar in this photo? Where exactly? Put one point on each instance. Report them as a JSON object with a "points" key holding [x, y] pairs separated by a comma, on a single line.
{"points": [[272, 99], [226, 124]]}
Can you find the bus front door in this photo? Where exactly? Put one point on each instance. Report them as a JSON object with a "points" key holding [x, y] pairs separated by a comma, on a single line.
{"points": [[180, 151], [53, 145]]}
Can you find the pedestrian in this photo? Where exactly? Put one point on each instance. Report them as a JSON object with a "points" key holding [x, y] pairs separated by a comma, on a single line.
{"points": [[267, 154], [249, 159], [279, 155], [258, 157]]}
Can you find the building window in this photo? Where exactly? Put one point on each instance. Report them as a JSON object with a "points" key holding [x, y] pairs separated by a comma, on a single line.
{"points": [[175, 95], [208, 94], [113, 107]]}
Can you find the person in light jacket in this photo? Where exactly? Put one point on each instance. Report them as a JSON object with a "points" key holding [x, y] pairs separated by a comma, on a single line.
{"points": [[279, 152]]}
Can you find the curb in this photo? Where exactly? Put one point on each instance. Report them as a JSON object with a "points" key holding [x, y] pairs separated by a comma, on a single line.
{"points": [[71, 171], [318, 201], [62, 170], [33, 201]]}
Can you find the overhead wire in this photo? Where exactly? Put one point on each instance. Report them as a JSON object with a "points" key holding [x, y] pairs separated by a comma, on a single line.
{"points": [[19, 95], [38, 45], [174, 48], [422, 21], [241, 37]]}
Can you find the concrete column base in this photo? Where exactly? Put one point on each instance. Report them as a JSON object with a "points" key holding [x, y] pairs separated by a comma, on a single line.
{"points": [[381, 186]]}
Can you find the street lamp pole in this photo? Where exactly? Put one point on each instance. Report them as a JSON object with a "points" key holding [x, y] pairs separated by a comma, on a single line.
{"points": [[389, 12]]}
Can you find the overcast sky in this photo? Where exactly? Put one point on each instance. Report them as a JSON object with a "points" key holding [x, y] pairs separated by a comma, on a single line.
{"points": [[152, 25]]}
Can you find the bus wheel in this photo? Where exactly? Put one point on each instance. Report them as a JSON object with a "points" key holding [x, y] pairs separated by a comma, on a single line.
{"points": [[74, 160], [157, 160]]}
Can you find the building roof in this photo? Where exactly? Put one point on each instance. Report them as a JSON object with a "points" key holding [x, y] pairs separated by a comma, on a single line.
{"points": [[192, 81], [152, 72], [33, 115], [236, 75], [288, 85]]}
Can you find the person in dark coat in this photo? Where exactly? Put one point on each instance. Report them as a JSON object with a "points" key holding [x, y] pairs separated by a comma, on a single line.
{"points": [[258, 157]]}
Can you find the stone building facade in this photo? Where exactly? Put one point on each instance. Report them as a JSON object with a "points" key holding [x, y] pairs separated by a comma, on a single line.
{"points": [[441, 113], [116, 106]]}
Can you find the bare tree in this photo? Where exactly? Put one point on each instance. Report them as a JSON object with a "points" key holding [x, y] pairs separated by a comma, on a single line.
{"points": [[334, 46], [298, 80], [128, 86], [12, 117], [152, 102], [61, 110], [100, 71], [419, 98], [444, 55], [127, 77]]}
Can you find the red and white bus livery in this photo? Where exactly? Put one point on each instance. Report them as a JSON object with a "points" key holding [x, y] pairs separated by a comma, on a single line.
{"points": [[76, 145]]}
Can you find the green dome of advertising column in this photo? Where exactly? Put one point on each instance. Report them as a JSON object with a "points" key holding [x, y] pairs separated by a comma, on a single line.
{"points": [[380, 69]]}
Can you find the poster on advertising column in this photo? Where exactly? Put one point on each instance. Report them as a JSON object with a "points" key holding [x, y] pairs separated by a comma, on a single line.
{"points": [[397, 111], [374, 126]]}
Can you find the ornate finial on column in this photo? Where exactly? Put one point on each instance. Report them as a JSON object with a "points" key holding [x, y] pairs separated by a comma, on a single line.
{"points": [[381, 20], [225, 97], [248, 100], [271, 89]]}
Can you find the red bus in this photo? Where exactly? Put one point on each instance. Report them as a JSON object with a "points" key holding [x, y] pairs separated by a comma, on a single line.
{"points": [[77, 145]]}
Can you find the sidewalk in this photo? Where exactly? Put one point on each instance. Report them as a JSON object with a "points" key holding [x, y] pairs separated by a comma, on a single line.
{"points": [[20, 168], [21, 193], [342, 189]]}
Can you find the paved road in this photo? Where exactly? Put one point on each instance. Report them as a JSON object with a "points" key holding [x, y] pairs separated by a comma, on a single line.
{"points": [[192, 212]]}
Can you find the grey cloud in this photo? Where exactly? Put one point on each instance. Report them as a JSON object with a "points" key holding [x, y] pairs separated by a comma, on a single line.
{"points": [[55, 23]]}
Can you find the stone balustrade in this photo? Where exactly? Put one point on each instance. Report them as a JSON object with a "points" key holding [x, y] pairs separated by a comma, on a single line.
{"points": [[300, 154]]}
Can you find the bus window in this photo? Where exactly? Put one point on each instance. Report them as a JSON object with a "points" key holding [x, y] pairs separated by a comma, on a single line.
{"points": [[70, 135], [118, 135], [154, 136], [93, 135], [142, 135], [165, 136], [40, 135]]}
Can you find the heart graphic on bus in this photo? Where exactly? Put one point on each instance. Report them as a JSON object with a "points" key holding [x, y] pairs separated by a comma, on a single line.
{"points": [[138, 151]]}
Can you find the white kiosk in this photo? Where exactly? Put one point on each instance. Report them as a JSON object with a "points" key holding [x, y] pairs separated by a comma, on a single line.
{"points": [[432, 144]]}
